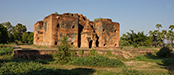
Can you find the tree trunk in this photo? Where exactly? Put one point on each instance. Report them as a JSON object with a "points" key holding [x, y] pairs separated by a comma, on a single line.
{"points": [[172, 43]]}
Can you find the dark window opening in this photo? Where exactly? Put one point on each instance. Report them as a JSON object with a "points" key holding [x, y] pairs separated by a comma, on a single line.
{"points": [[73, 26], [94, 31], [57, 25], [90, 44], [71, 43], [80, 27], [114, 30], [55, 43], [91, 26], [97, 42], [104, 45], [115, 45], [84, 18], [103, 29]]}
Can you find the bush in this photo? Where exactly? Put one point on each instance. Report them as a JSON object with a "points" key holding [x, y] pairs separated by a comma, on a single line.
{"points": [[93, 52], [31, 68], [164, 52], [109, 53], [99, 61], [168, 61], [6, 53], [73, 53], [135, 45], [63, 52], [81, 53]]}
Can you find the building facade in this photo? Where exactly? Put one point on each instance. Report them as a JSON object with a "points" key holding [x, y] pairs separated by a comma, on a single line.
{"points": [[78, 29]]}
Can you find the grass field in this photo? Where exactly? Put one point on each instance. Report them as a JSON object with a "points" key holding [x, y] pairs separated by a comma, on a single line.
{"points": [[140, 65]]}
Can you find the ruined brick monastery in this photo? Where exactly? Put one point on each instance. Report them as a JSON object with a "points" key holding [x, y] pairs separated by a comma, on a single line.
{"points": [[78, 29]]}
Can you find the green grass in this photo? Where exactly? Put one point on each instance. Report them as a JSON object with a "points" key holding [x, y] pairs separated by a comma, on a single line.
{"points": [[31, 68], [39, 46], [99, 61], [99, 65]]}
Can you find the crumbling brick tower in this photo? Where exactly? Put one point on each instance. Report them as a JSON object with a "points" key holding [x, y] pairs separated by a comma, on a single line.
{"points": [[78, 29]]}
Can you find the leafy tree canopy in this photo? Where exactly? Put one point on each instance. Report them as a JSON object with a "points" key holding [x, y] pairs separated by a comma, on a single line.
{"points": [[3, 34]]}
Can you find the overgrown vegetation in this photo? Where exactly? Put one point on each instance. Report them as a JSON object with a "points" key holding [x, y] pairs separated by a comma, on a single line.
{"points": [[99, 61], [93, 52], [30, 68], [81, 52], [6, 52], [63, 53], [98, 19]]}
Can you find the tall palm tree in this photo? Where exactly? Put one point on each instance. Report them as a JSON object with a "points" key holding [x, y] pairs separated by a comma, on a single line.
{"points": [[158, 26], [171, 27], [164, 32], [171, 36], [151, 33]]}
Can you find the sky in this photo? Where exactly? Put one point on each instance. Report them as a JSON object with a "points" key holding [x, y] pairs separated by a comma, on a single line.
{"points": [[138, 15]]}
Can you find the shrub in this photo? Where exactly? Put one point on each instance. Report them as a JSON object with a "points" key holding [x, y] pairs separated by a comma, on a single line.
{"points": [[99, 61], [135, 45], [109, 53], [73, 53], [63, 52], [93, 52], [164, 52], [81, 53], [168, 61], [6, 53]]}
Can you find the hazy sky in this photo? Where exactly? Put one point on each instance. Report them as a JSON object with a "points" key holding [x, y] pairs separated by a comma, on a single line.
{"points": [[139, 15]]}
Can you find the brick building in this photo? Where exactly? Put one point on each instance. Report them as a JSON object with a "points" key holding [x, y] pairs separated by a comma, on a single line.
{"points": [[78, 29]]}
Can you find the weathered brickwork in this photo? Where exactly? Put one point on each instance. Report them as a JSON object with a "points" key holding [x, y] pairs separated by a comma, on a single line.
{"points": [[78, 29]]}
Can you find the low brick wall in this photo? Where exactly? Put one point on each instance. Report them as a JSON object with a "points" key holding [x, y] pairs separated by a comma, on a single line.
{"points": [[18, 52]]}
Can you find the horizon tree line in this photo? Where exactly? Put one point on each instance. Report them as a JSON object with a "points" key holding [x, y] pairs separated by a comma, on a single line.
{"points": [[15, 34], [155, 39]]}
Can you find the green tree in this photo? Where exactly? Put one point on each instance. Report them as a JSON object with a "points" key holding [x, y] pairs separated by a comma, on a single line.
{"points": [[171, 27], [97, 19], [19, 28], [159, 35], [171, 34], [56, 13], [63, 52], [9, 27], [158, 26], [160, 39], [171, 38], [30, 38], [3, 34], [124, 40], [17, 37], [25, 37], [135, 39], [164, 32]]}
